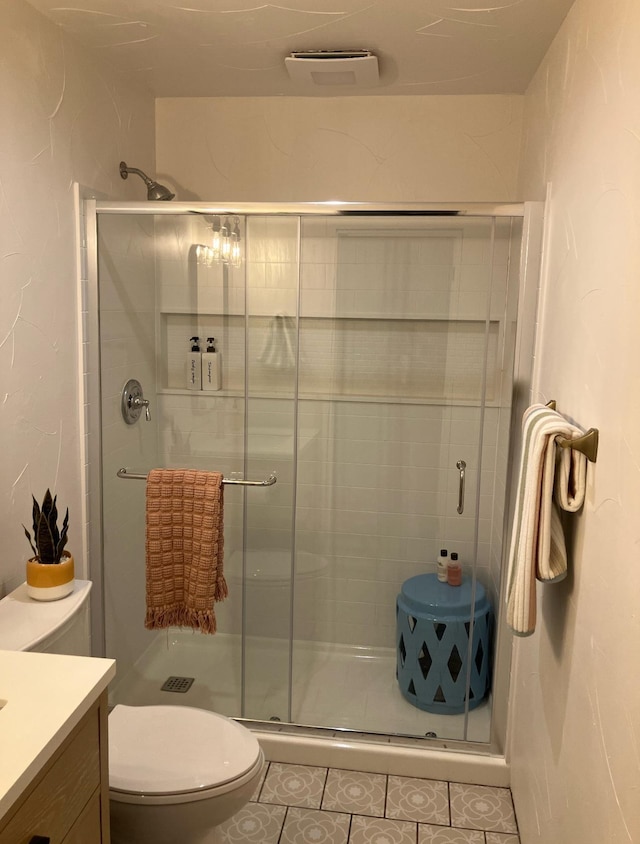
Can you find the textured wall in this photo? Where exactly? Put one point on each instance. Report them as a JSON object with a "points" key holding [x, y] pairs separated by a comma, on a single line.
{"points": [[576, 696], [371, 149], [64, 118]]}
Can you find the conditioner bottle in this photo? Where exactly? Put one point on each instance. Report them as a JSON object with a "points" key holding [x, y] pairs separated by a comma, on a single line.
{"points": [[454, 571], [211, 369]]}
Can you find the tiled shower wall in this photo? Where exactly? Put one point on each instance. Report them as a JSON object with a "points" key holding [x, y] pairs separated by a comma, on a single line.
{"points": [[126, 249], [377, 491], [377, 498]]}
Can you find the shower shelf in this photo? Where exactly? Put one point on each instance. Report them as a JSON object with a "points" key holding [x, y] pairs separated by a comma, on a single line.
{"points": [[170, 391], [386, 361]]}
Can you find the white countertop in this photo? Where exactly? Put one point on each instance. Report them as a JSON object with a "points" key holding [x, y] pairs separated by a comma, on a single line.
{"points": [[42, 698]]}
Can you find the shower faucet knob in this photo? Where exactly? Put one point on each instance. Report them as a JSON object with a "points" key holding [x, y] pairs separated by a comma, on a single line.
{"points": [[140, 402], [133, 401]]}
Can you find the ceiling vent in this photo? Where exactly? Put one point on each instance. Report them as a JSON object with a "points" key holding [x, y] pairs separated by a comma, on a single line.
{"points": [[333, 68]]}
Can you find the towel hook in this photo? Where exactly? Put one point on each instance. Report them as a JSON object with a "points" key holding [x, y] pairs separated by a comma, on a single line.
{"points": [[587, 444]]}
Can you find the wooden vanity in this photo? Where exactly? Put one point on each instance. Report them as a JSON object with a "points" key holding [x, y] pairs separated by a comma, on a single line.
{"points": [[54, 776]]}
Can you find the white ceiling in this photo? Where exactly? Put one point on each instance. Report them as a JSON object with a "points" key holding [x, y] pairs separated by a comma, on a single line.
{"points": [[212, 48]]}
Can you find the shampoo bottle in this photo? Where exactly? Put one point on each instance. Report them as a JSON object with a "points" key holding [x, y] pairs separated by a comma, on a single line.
{"points": [[211, 369], [194, 365], [442, 566]]}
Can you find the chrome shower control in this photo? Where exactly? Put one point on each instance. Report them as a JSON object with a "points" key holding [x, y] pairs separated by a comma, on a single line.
{"points": [[138, 402], [133, 401]]}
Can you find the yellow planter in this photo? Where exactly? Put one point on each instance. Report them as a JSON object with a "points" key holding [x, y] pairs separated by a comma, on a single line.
{"points": [[50, 582]]}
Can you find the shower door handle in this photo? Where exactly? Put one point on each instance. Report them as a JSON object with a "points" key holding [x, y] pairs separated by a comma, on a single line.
{"points": [[461, 466]]}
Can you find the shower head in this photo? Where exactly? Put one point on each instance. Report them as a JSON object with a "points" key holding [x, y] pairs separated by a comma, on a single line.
{"points": [[154, 190]]}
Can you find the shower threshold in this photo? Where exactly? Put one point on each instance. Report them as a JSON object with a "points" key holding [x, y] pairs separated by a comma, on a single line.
{"points": [[338, 691]]}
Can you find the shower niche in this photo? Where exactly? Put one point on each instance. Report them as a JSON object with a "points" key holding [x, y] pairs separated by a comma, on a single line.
{"points": [[362, 357]]}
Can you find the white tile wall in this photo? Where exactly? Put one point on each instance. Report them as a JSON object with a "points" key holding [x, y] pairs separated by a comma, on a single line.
{"points": [[376, 487], [126, 270], [376, 505], [175, 331]]}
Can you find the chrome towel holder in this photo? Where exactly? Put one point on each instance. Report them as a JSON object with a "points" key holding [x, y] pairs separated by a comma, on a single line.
{"points": [[139, 476]]}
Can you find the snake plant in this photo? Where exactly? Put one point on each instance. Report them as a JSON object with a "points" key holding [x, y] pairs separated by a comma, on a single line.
{"points": [[48, 542]]}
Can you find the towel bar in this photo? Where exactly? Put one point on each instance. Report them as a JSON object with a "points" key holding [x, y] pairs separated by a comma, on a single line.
{"points": [[587, 444], [138, 476]]}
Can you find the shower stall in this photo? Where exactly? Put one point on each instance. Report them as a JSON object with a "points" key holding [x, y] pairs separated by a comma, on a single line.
{"points": [[365, 351]]}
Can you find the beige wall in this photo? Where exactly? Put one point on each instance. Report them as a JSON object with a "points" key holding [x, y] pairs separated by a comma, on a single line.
{"points": [[371, 149], [64, 118], [576, 695]]}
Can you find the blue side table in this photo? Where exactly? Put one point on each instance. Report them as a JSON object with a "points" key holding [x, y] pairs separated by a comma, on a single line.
{"points": [[433, 624]]}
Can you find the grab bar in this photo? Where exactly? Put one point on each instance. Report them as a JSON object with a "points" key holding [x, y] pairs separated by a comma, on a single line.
{"points": [[137, 476]]}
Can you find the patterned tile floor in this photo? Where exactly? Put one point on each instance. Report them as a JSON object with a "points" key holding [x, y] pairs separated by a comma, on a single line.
{"points": [[301, 804]]}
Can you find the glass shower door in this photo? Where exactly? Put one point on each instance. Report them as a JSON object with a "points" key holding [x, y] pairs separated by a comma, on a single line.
{"points": [[159, 286], [272, 271], [363, 357], [401, 331]]}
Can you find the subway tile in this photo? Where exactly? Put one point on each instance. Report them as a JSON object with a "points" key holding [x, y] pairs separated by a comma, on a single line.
{"points": [[362, 591]]}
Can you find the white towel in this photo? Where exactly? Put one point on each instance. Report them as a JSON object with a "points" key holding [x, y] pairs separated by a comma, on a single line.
{"points": [[279, 347], [537, 540]]}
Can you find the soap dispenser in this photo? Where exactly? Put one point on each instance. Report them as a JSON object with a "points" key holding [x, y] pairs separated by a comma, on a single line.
{"points": [[194, 365], [211, 369]]}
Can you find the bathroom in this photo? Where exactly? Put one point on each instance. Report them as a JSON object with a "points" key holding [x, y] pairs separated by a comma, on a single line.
{"points": [[568, 134]]}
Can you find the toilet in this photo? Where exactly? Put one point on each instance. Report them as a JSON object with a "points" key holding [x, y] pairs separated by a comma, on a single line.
{"points": [[175, 772]]}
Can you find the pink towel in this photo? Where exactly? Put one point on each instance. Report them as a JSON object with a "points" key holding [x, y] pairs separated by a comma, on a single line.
{"points": [[184, 548]]}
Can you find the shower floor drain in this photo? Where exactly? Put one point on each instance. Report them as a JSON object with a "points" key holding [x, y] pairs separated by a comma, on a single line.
{"points": [[177, 684]]}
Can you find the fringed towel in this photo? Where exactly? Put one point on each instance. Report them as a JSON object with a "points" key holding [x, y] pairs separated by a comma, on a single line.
{"points": [[537, 541], [184, 548]]}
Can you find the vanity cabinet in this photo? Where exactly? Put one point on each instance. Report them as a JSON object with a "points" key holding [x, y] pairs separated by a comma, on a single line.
{"points": [[67, 801]]}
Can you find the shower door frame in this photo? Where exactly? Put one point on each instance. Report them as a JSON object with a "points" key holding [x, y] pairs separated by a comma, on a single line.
{"points": [[91, 419]]}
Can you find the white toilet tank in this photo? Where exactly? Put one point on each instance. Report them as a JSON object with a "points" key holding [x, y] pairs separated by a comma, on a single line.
{"points": [[57, 627]]}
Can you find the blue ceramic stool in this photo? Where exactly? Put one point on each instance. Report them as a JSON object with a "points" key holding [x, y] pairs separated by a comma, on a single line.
{"points": [[433, 624]]}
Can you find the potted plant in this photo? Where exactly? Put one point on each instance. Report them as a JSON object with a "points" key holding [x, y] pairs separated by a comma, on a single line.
{"points": [[50, 571]]}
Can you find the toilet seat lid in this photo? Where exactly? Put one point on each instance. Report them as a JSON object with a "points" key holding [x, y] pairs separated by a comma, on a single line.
{"points": [[172, 749]]}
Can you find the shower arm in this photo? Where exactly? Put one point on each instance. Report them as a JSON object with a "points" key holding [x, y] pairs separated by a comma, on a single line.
{"points": [[125, 170], [155, 191]]}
